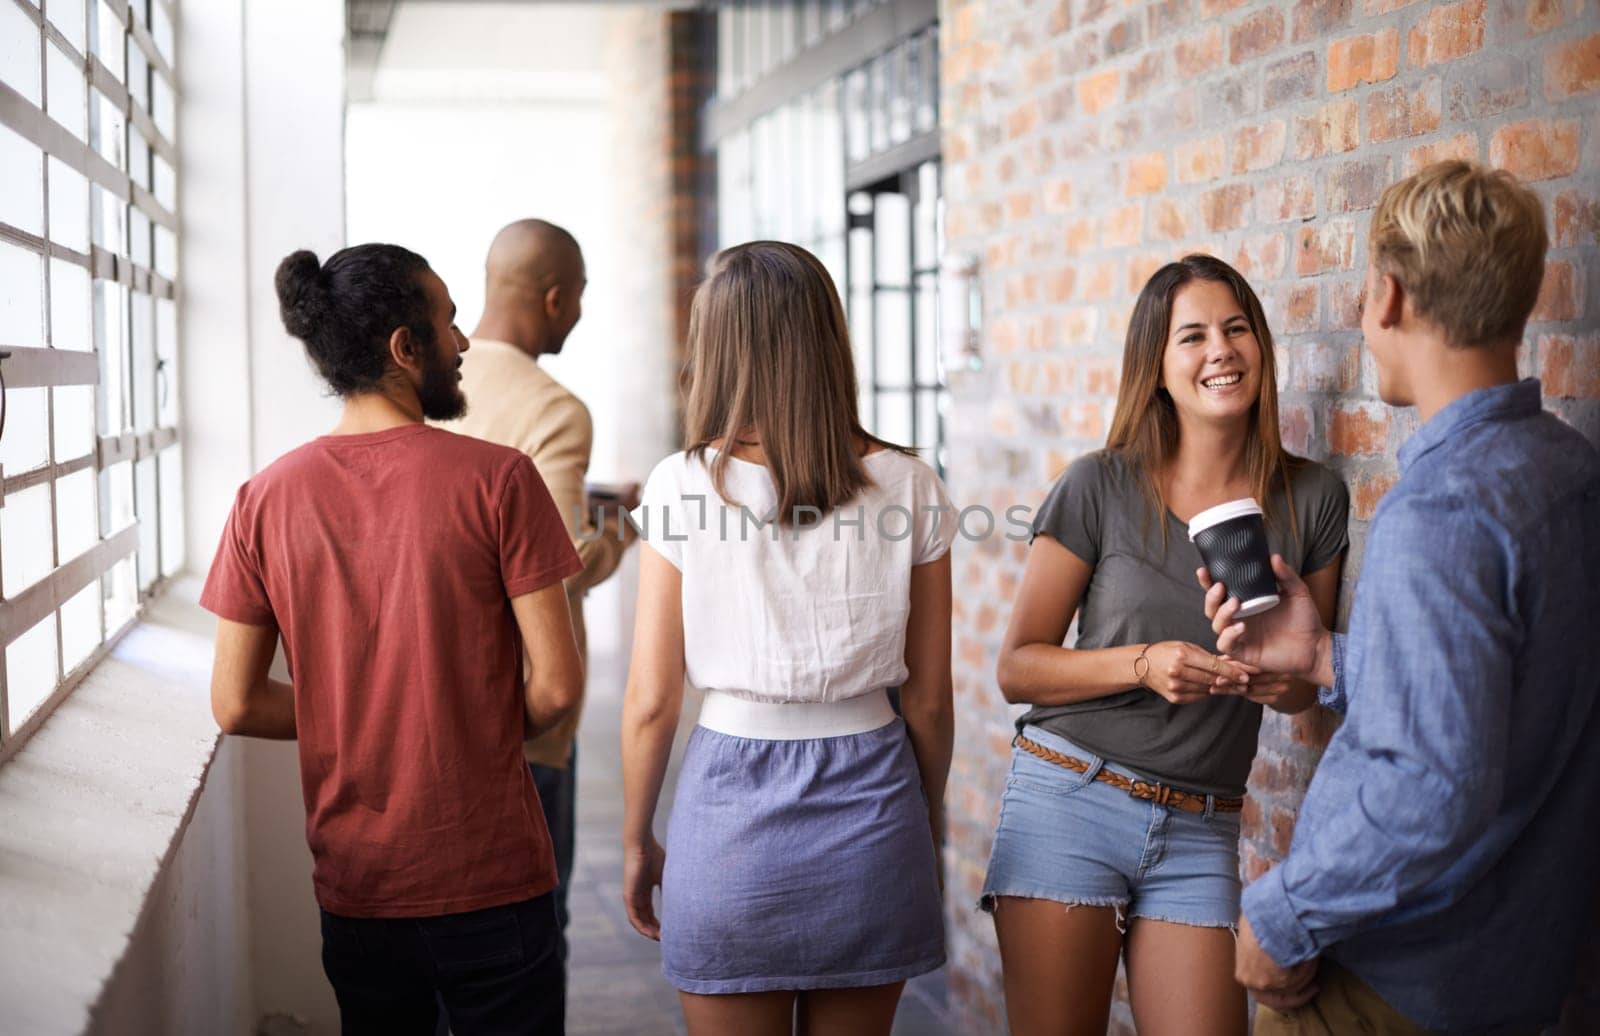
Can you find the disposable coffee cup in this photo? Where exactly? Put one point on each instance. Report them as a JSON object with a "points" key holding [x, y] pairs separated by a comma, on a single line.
{"points": [[1232, 540]]}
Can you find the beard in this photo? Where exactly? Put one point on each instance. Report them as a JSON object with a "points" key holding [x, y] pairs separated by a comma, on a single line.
{"points": [[440, 391]]}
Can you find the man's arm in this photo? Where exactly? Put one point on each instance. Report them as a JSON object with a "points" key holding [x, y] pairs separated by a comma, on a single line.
{"points": [[555, 674], [562, 458], [244, 699], [1413, 778]]}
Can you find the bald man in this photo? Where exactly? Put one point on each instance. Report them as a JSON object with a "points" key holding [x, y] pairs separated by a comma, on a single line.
{"points": [[536, 278]]}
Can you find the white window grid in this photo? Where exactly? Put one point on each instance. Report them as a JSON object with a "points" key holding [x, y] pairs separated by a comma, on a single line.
{"points": [[90, 460]]}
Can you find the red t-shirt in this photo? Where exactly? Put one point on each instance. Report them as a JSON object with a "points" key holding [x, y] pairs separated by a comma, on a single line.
{"points": [[387, 562]]}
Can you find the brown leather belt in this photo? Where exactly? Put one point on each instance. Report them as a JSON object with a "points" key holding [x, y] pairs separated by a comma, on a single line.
{"points": [[1161, 794]]}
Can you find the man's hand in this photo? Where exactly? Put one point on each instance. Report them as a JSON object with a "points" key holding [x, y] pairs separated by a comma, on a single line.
{"points": [[1289, 639], [1277, 987]]}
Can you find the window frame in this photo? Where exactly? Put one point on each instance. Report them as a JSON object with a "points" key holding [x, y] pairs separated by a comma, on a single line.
{"points": [[129, 429]]}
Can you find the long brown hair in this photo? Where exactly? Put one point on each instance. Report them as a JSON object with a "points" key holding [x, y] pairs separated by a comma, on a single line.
{"points": [[769, 353], [1144, 428]]}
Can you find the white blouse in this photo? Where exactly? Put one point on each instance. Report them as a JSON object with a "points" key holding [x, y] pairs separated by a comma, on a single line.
{"points": [[781, 614]]}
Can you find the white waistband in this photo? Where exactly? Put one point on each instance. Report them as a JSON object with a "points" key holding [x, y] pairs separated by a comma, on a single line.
{"points": [[794, 721]]}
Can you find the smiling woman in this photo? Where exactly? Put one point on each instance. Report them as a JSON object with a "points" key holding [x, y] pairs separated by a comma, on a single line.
{"points": [[1139, 739]]}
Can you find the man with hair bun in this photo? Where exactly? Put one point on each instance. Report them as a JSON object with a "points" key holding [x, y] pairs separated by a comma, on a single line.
{"points": [[408, 572], [1439, 868]]}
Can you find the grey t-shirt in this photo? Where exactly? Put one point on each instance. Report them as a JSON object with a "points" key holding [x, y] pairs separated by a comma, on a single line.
{"points": [[1138, 595]]}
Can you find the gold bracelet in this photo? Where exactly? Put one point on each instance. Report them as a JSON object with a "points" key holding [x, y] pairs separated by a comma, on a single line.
{"points": [[1137, 675]]}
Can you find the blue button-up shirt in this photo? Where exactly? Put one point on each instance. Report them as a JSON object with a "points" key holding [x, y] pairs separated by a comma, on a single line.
{"points": [[1445, 851]]}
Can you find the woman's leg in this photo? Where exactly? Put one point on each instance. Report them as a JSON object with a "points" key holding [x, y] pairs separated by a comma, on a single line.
{"points": [[1180, 980], [864, 1011], [738, 1014], [1059, 963]]}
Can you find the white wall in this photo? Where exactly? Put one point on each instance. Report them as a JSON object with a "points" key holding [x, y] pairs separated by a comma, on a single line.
{"points": [[483, 114], [262, 139]]}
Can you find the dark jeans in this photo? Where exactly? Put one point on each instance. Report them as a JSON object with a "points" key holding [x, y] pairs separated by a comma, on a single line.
{"points": [[497, 972], [558, 794]]}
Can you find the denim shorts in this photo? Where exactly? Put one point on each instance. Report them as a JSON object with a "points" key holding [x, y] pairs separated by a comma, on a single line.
{"points": [[1069, 838]]}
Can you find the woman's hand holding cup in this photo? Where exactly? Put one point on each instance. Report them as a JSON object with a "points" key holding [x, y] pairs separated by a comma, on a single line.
{"points": [[1185, 673]]}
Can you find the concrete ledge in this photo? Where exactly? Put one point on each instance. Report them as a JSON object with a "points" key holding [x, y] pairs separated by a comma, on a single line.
{"points": [[91, 810]]}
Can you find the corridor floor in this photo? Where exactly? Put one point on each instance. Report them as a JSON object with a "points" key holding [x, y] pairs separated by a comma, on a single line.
{"points": [[615, 986]]}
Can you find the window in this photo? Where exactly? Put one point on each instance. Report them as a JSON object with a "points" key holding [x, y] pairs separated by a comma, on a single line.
{"points": [[90, 467]]}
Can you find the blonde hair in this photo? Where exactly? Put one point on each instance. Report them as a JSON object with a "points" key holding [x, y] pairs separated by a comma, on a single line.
{"points": [[1144, 426], [769, 354], [1467, 244]]}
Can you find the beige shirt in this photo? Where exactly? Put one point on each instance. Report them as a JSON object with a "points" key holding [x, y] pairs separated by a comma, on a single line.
{"points": [[511, 400]]}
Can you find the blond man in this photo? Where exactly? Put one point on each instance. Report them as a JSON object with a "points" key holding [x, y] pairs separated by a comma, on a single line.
{"points": [[533, 299], [1438, 876]]}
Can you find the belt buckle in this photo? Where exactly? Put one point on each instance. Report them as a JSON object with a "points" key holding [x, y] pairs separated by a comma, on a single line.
{"points": [[1160, 794]]}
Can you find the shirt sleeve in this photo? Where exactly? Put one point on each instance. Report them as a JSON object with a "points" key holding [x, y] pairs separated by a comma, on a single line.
{"points": [[660, 514], [234, 587], [936, 518], [1416, 773], [1071, 513], [1326, 525], [535, 550]]}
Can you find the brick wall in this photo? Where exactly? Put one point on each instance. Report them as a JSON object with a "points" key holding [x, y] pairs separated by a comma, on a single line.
{"points": [[1086, 142]]}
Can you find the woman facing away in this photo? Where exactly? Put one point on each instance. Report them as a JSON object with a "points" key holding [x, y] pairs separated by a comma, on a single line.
{"points": [[799, 883], [1087, 865]]}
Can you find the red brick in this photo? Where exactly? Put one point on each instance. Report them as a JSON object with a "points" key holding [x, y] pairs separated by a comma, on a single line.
{"points": [[1289, 198], [1098, 92], [1561, 293], [1199, 55], [1358, 429], [966, 24], [1226, 207], [1149, 74], [1294, 426], [1101, 378], [1371, 58], [1573, 68], [1121, 227], [1333, 128], [1147, 174], [1543, 15], [1326, 367], [1291, 79], [1344, 307], [1261, 257], [1079, 236], [1142, 267], [1040, 68], [1058, 284], [1259, 33], [1446, 33], [1317, 19], [1019, 206], [1078, 325], [1212, 8], [1570, 365], [1575, 217], [1366, 492], [1328, 247], [1061, 18], [1282, 831], [1169, 220], [1058, 195], [1300, 312], [1084, 419], [1462, 145], [1403, 112], [1538, 149], [1259, 147], [1355, 185], [1313, 727], [1021, 290], [1199, 160], [1024, 119], [1274, 773]]}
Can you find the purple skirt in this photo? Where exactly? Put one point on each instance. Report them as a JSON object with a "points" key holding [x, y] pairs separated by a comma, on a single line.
{"points": [[799, 865]]}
